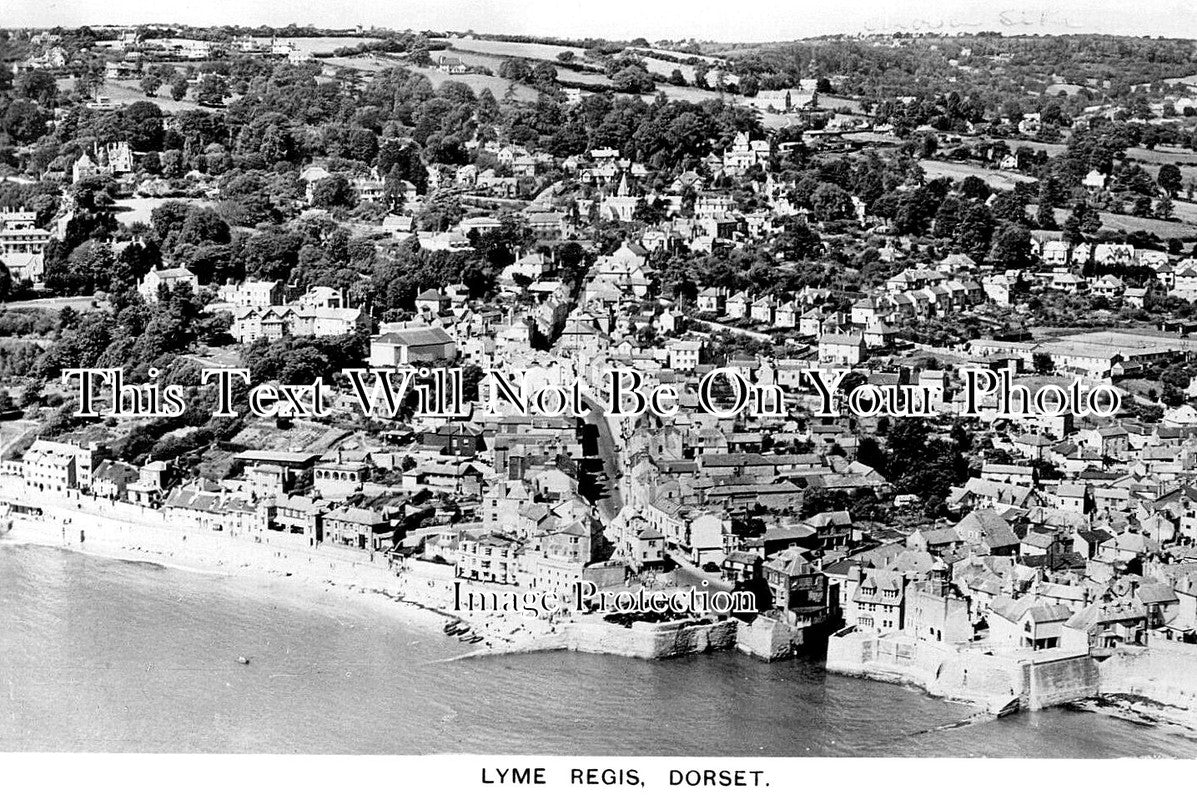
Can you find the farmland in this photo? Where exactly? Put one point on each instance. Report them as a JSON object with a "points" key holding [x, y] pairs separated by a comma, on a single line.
{"points": [[498, 86], [1125, 223], [537, 52], [126, 92], [996, 178]]}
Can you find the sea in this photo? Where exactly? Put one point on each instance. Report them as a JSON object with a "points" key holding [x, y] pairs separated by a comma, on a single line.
{"points": [[116, 656]]}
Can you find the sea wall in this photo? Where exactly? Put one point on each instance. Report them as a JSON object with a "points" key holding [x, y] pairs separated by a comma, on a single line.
{"points": [[770, 639], [1162, 671], [996, 681], [1054, 681], [650, 640]]}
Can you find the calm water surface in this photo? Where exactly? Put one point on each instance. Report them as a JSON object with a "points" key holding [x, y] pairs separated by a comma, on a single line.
{"points": [[103, 655]]}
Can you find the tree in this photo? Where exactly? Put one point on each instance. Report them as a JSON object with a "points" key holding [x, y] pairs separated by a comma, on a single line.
{"points": [[332, 192], [1045, 216], [38, 86], [203, 226], [829, 202], [1012, 247], [211, 91], [632, 80], [922, 463], [1081, 222], [797, 241], [975, 230], [1043, 364], [1170, 179], [544, 74], [178, 87], [514, 69], [974, 188], [24, 122], [150, 84], [142, 124], [566, 56], [5, 285]]}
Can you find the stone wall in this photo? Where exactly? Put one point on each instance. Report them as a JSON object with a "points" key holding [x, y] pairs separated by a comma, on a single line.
{"points": [[770, 639], [1061, 680], [1162, 671], [992, 680], [648, 640]]}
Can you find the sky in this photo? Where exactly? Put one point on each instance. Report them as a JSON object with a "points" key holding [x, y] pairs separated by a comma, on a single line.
{"points": [[713, 20]]}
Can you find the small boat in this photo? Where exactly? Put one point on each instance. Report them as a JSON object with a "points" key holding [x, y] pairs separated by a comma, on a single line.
{"points": [[449, 626], [242, 660], [473, 639]]}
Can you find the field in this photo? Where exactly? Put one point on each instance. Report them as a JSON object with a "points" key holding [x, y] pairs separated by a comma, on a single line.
{"points": [[1165, 229], [498, 86], [539, 52], [491, 53], [138, 209], [1067, 88], [666, 67], [996, 178], [125, 92], [318, 44], [1050, 148]]}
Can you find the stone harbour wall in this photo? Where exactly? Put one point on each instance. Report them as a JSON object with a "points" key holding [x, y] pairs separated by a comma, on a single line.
{"points": [[649, 640], [769, 639], [991, 680]]}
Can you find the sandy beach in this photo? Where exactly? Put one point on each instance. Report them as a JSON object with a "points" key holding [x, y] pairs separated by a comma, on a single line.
{"points": [[275, 563]]}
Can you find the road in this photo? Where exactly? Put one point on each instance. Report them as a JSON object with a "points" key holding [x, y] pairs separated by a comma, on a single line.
{"points": [[610, 499]]}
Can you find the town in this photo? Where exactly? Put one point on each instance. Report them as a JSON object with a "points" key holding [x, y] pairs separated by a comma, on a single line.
{"points": [[984, 245]]}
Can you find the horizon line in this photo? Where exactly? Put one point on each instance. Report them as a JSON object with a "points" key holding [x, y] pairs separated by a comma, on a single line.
{"points": [[534, 37]]}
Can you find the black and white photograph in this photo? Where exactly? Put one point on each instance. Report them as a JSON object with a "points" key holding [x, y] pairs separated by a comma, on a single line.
{"points": [[650, 395]]}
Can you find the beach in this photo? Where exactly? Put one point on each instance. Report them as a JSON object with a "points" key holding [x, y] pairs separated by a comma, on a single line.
{"points": [[275, 561]]}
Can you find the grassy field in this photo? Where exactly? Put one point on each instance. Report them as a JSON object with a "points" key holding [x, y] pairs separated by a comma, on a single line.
{"points": [[998, 179], [125, 92], [1067, 88], [318, 44], [56, 304], [1163, 155], [667, 67], [498, 86], [138, 209], [1052, 149], [490, 53], [1165, 229], [539, 52]]}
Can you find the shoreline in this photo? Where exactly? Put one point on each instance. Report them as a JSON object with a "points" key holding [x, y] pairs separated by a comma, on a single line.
{"points": [[135, 535], [1131, 707], [405, 611], [1141, 710], [223, 556]]}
